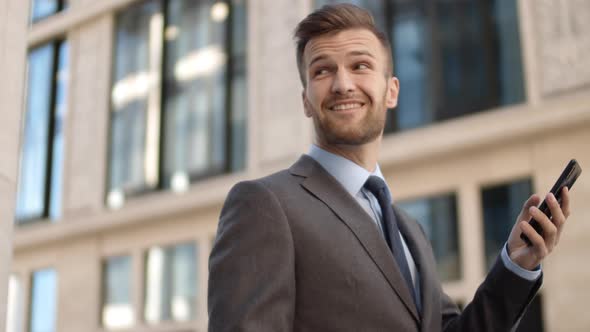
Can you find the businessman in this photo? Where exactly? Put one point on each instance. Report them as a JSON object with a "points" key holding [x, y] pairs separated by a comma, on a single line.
{"points": [[321, 247]]}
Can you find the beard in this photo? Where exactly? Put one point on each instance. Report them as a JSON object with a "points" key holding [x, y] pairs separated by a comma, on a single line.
{"points": [[366, 130]]}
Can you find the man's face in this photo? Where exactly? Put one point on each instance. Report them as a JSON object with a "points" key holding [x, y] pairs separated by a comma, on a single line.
{"points": [[348, 90]]}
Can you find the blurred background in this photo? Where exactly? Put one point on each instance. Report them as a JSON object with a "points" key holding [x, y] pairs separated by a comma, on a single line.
{"points": [[126, 122]]}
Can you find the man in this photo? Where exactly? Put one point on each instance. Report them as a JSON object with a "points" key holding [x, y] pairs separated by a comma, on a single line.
{"points": [[319, 246]]}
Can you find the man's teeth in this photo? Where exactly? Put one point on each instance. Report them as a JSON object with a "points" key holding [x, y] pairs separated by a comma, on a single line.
{"points": [[346, 106]]}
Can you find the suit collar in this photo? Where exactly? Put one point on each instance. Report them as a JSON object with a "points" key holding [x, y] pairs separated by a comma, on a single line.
{"points": [[348, 173], [303, 167], [327, 189]]}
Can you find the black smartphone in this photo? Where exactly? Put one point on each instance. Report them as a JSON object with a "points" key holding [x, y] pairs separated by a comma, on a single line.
{"points": [[566, 179]]}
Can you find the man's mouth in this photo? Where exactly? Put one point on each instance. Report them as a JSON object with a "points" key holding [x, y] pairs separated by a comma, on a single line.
{"points": [[346, 106]]}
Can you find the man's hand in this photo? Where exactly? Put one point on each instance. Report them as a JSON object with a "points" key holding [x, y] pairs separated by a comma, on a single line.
{"points": [[530, 257]]}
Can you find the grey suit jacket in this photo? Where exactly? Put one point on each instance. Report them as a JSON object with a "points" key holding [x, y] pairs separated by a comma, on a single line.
{"points": [[295, 252]]}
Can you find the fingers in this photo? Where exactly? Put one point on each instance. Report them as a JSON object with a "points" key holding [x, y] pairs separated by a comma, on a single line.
{"points": [[549, 228], [552, 227], [557, 215], [538, 248], [534, 200], [565, 201]]}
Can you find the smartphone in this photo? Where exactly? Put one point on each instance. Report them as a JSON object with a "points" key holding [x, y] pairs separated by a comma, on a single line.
{"points": [[566, 179]]}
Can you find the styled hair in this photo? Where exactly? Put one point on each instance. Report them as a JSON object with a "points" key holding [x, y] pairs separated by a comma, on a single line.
{"points": [[331, 19]]}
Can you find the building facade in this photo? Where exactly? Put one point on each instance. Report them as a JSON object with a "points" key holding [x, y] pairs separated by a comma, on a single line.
{"points": [[137, 117]]}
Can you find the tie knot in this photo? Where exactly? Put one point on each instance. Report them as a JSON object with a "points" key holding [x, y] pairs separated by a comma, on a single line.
{"points": [[374, 184]]}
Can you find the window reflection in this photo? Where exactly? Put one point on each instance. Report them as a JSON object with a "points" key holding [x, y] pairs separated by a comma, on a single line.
{"points": [[196, 97], [135, 100], [59, 117], [117, 310], [438, 217], [199, 104], [171, 281], [43, 308], [200, 61], [41, 165], [238, 88], [33, 165], [411, 53], [501, 206]]}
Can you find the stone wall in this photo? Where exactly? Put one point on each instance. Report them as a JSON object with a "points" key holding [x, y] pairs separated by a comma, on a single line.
{"points": [[563, 44], [13, 46]]}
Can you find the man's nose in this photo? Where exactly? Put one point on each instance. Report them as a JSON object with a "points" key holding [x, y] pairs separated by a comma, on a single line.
{"points": [[342, 83]]}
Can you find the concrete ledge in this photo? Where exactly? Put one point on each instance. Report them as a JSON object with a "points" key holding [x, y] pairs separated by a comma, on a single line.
{"points": [[474, 131], [60, 23], [145, 208], [470, 132]]}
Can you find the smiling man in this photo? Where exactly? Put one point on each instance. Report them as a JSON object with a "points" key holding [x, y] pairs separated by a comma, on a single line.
{"points": [[321, 247], [348, 88]]}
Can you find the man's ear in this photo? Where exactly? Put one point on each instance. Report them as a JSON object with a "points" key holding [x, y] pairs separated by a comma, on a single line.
{"points": [[392, 92], [306, 107]]}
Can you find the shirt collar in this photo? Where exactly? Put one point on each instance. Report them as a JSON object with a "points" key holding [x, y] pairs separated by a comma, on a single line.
{"points": [[350, 175]]}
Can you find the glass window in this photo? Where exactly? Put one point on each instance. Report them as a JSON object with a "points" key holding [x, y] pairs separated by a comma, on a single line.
{"points": [[171, 283], [14, 312], [41, 165], [43, 8], [501, 206], [58, 126], [117, 309], [190, 124], [438, 217], [202, 55], [238, 91], [452, 57], [135, 101], [43, 307]]}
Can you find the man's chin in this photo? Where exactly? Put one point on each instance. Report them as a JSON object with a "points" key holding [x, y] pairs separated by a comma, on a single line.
{"points": [[349, 138], [338, 133]]}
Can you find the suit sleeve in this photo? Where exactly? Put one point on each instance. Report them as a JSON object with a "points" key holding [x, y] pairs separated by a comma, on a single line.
{"points": [[498, 304], [251, 267]]}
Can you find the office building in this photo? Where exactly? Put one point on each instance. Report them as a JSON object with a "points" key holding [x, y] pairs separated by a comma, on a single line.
{"points": [[138, 116]]}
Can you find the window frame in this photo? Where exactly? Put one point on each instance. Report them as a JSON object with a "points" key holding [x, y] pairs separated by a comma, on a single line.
{"points": [[163, 182], [436, 82], [61, 5], [44, 215], [31, 295], [451, 196], [103, 289], [504, 185], [197, 248]]}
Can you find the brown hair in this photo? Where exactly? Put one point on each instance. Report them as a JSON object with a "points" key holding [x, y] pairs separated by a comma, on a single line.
{"points": [[332, 19]]}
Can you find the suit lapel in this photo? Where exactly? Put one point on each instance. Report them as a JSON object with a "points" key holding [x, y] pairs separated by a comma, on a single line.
{"points": [[413, 236], [323, 186]]}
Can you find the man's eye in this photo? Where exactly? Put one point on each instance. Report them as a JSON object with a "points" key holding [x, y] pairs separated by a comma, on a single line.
{"points": [[320, 71], [362, 66]]}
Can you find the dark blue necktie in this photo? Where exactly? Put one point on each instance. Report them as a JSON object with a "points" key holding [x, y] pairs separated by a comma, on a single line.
{"points": [[390, 229]]}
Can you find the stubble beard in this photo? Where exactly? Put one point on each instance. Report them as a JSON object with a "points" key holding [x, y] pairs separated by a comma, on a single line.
{"points": [[367, 130]]}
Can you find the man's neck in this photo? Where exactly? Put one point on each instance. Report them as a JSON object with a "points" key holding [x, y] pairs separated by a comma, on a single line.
{"points": [[364, 155]]}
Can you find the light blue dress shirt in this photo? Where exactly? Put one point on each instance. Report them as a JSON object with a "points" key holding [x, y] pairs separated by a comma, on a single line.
{"points": [[353, 177]]}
